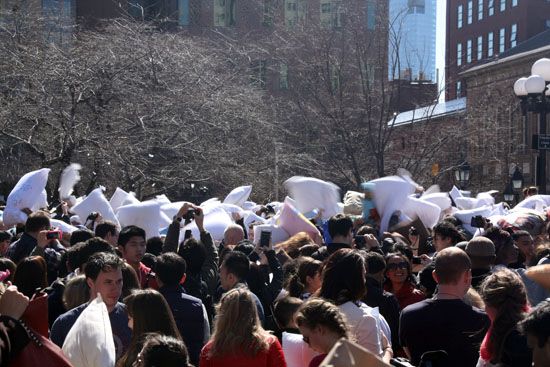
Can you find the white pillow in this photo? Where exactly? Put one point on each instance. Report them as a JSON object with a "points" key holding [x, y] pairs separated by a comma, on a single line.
{"points": [[118, 198], [312, 193], [238, 196], [69, 177], [297, 352], [65, 228], [145, 215], [249, 205], [278, 234], [90, 342], [28, 193], [427, 212], [95, 202], [535, 202], [216, 221], [293, 222], [441, 199], [171, 209], [389, 195]]}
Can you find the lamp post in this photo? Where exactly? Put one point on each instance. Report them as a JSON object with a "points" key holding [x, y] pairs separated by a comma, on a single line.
{"points": [[535, 97], [517, 179], [462, 174], [508, 193]]}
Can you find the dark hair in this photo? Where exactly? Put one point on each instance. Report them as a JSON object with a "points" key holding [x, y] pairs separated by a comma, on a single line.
{"points": [[450, 264], [339, 224], [80, 235], [244, 246], [7, 264], [426, 279], [308, 250], [521, 233], [37, 221], [319, 312], [4, 235], [344, 277], [128, 232], [307, 267], [237, 263], [30, 274], [366, 229], [154, 246], [149, 260], [448, 230], [375, 262], [102, 261], [285, 309], [103, 228], [537, 323], [403, 249], [194, 254], [130, 281], [502, 240], [163, 350], [92, 246], [170, 268], [410, 276]]}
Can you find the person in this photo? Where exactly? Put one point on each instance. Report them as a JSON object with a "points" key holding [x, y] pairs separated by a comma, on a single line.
{"points": [[481, 251], [284, 311], [35, 229], [131, 243], [321, 324], [293, 245], [153, 246], [505, 303], [340, 229], [5, 241], [232, 235], [536, 327], [30, 275], [307, 280], [446, 235], [400, 280], [344, 284], [506, 252], [130, 281], [189, 312], [108, 231], [162, 350], [238, 338], [526, 246], [76, 292], [104, 276], [148, 312], [7, 265], [445, 322], [13, 335]]}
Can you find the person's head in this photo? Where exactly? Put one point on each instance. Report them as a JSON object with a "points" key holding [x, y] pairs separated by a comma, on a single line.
{"points": [[162, 350], [481, 251], [237, 326], [76, 292], [130, 280], [426, 281], [234, 269], [5, 240], [92, 246], [154, 245], [505, 301], [108, 231], [366, 229], [284, 311], [293, 245], [7, 264], [453, 269], [404, 249], [340, 228], [131, 243], [170, 269], [505, 250], [321, 324], [80, 235], [446, 235], [30, 275], [376, 265], [232, 235], [149, 260], [194, 254], [36, 222], [344, 277], [530, 191], [244, 246], [398, 270], [525, 245], [104, 276], [536, 327], [307, 278]]}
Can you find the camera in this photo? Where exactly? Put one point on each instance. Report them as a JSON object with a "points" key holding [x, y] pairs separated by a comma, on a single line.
{"points": [[54, 234], [93, 216], [477, 222], [265, 239], [416, 260], [190, 215]]}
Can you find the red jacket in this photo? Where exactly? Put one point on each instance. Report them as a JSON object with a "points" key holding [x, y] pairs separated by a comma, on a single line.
{"points": [[407, 295], [273, 357]]}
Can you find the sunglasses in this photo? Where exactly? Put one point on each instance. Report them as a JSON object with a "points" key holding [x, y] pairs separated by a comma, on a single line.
{"points": [[395, 266]]}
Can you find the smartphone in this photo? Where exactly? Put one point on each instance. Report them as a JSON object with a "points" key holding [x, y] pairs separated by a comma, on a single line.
{"points": [[188, 234], [416, 260], [477, 222], [360, 241], [190, 215], [53, 234], [265, 239]]}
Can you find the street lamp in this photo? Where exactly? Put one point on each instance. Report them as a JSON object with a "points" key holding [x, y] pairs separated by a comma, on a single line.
{"points": [[508, 193], [462, 174], [534, 94], [517, 179]]}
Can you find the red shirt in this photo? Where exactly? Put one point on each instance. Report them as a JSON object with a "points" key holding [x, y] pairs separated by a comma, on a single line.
{"points": [[407, 295], [146, 277], [273, 357]]}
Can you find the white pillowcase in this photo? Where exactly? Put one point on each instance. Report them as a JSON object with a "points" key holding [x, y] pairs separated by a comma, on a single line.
{"points": [[238, 196], [146, 215], [312, 193], [30, 193], [95, 202]]}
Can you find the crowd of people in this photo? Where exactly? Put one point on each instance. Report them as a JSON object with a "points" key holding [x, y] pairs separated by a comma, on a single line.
{"points": [[447, 299]]}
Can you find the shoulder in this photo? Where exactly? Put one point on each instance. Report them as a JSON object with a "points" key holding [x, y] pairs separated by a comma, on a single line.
{"points": [[418, 307], [69, 317]]}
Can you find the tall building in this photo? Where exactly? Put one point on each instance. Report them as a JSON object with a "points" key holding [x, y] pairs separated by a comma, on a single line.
{"points": [[479, 31], [412, 40]]}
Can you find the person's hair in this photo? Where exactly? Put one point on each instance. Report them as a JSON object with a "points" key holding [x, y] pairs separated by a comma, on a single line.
{"points": [[7, 264], [404, 249], [537, 323], [366, 229], [237, 326], [502, 241], [149, 260], [505, 293], [344, 277], [154, 245], [289, 269], [194, 254], [92, 246], [76, 292], [448, 230], [375, 262], [306, 267], [80, 235], [128, 232], [319, 312], [237, 263], [285, 309], [518, 234], [339, 225], [30, 274], [293, 245], [163, 350], [450, 264], [244, 246], [308, 250], [410, 277], [102, 261], [530, 191], [4, 235], [426, 280], [170, 268], [151, 313], [130, 280], [37, 221], [104, 228]]}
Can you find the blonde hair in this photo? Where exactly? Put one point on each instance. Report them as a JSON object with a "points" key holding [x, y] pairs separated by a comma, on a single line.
{"points": [[237, 326], [76, 292], [293, 244]]}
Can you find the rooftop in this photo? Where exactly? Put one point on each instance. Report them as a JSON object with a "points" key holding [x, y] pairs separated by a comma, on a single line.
{"points": [[430, 112]]}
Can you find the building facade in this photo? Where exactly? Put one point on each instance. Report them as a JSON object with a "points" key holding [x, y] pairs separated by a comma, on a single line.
{"points": [[478, 31]]}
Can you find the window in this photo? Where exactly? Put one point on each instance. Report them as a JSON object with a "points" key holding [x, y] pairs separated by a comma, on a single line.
{"points": [[479, 9], [470, 11], [491, 7], [458, 89], [480, 47], [294, 11], [469, 51], [514, 2], [502, 5], [459, 20], [490, 43], [267, 16], [331, 14], [283, 76], [334, 78], [459, 54], [371, 14], [416, 7], [224, 13], [183, 12], [513, 35], [502, 40], [258, 75]]}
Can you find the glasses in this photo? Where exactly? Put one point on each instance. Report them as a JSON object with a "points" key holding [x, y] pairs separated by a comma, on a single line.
{"points": [[395, 266], [306, 339]]}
